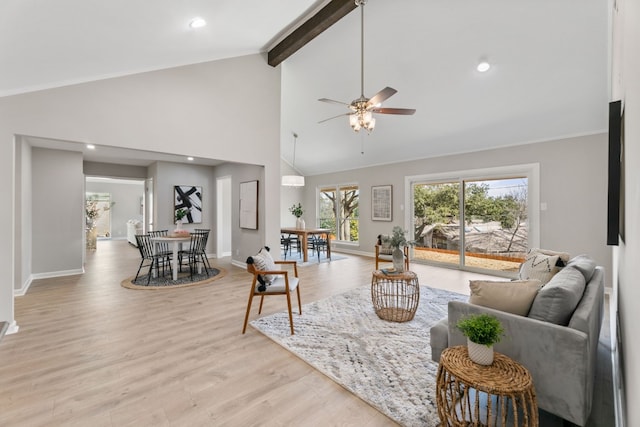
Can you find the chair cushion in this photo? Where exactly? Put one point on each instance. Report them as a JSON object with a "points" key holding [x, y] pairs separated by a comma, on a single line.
{"points": [[514, 296], [278, 285], [557, 300], [539, 266]]}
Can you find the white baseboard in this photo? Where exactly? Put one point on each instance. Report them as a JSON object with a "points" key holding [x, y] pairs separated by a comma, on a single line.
{"points": [[23, 289], [61, 273], [13, 328]]}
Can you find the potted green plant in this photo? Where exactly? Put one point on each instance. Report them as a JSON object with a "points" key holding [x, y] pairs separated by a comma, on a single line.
{"points": [[297, 211], [179, 214], [482, 332], [398, 240]]}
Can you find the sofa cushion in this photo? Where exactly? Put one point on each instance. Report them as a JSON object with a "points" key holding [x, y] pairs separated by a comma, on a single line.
{"points": [[539, 266], [584, 265], [557, 300], [511, 296]]}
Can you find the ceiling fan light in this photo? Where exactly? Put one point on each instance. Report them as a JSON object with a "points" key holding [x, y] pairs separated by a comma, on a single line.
{"points": [[371, 124], [354, 121]]}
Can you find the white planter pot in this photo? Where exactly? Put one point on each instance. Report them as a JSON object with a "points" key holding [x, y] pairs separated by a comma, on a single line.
{"points": [[300, 223], [479, 353]]}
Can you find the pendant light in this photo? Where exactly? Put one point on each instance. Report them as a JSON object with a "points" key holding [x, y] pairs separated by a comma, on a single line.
{"points": [[293, 180]]}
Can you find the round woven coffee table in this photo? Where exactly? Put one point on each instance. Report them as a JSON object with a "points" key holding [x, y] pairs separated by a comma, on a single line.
{"points": [[395, 296], [469, 394]]}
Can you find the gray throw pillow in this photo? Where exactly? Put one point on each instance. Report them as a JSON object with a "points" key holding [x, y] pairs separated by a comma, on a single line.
{"points": [[584, 265], [557, 300]]}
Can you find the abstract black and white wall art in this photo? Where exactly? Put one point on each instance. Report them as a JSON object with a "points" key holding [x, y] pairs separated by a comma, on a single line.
{"points": [[189, 197]]}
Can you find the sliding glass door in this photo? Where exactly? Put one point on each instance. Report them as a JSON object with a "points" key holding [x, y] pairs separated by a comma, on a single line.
{"points": [[475, 223]]}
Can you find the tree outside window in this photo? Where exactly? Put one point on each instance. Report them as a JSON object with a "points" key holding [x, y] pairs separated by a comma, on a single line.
{"points": [[339, 211]]}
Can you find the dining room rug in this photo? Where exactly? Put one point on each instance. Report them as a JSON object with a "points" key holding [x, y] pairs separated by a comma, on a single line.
{"points": [[312, 258], [167, 282], [386, 364]]}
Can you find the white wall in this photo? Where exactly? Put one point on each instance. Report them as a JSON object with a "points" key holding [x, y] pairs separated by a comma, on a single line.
{"points": [[573, 183], [626, 86], [199, 110], [58, 211], [170, 174], [125, 197]]}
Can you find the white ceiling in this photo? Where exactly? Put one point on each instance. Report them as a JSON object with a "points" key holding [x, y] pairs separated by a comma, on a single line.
{"points": [[549, 77]]}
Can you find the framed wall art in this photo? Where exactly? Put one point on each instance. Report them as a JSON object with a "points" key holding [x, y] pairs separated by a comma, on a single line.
{"points": [[188, 197], [249, 205], [381, 203]]}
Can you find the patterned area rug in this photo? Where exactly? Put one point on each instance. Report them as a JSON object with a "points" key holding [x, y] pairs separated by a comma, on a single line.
{"points": [[386, 364], [167, 282], [311, 258]]}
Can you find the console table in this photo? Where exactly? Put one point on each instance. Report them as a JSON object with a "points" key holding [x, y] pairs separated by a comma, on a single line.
{"points": [[472, 394], [395, 296]]}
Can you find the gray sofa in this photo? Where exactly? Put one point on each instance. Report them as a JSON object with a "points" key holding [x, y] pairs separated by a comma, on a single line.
{"points": [[561, 359]]}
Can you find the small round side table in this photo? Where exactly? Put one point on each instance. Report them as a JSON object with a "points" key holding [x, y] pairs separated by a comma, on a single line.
{"points": [[395, 296], [466, 391]]}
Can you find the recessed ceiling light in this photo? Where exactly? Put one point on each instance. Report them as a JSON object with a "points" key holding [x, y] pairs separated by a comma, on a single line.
{"points": [[483, 66], [197, 23], [91, 146], [190, 159]]}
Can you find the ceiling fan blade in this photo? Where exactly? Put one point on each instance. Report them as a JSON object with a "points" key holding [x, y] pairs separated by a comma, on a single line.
{"points": [[403, 111], [331, 101], [335, 117], [381, 96]]}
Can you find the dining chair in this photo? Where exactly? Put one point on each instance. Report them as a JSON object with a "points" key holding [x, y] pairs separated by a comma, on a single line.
{"points": [[205, 232], [270, 278], [155, 260], [194, 255], [161, 247]]}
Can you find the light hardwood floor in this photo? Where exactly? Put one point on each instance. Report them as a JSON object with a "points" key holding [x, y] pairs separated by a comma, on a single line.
{"points": [[92, 353]]}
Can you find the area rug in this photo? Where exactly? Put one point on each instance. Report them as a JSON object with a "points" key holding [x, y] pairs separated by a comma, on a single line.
{"points": [[311, 259], [166, 282], [386, 364]]}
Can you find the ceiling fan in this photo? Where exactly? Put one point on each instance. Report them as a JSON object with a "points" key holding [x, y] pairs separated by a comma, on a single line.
{"points": [[362, 109]]}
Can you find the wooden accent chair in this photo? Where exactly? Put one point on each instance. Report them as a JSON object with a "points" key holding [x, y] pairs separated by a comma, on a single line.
{"points": [[267, 281], [383, 253]]}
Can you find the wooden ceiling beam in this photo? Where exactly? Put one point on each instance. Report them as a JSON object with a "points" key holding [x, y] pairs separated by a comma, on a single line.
{"points": [[314, 26]]}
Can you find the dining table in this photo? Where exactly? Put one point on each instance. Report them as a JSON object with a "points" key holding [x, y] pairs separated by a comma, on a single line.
{"points": [[175, 241], [304, 233]]}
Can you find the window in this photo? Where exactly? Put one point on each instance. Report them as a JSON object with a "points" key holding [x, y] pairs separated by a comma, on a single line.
{"points": [[338, 210], [484, 219]]}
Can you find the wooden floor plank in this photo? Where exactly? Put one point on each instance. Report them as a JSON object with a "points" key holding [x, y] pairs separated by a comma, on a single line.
{"points": [[90, 352]]}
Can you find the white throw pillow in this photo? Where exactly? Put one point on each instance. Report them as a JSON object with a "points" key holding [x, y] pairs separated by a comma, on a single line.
{"points": [[264, 261], [510, 296], [539, 266]]}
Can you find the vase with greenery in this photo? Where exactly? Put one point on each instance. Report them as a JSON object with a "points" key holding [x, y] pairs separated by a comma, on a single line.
{"points": [[297, 211], [179, 215], [482, 332], [398, 240]]}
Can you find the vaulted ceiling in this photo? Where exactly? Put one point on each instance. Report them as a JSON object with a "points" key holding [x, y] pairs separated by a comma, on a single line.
{"points": [[549, 75]]}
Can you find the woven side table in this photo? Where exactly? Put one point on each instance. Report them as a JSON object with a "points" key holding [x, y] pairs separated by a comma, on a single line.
{"points": [[466, 391], [395, 297]]}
